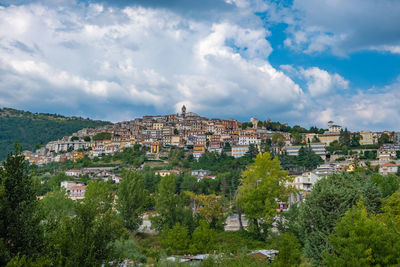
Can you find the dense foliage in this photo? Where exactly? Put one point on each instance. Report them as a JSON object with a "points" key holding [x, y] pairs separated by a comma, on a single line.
{"points": [[348, 218], [33, 130]]}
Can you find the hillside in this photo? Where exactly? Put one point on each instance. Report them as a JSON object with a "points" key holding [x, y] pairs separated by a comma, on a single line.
{"points": [[30, 129]]}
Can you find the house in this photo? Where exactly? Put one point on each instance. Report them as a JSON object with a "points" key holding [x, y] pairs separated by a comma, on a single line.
{"points": [[77, 192], [367, 138], [327, 138], [303, 183], [68, 184], [73, 172], [239, 151], [386, 155], [334, 128], [264, 254], [198, 151], [116, 179], [175, 140], [388, 168], [164, 173], [200, 173], [245, 140]]}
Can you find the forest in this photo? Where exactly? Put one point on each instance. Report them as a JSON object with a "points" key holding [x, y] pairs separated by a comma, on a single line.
{"points": [[34, 130]]}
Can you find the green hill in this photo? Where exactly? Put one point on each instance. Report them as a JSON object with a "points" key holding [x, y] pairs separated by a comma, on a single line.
{"points": [[31, 129]]}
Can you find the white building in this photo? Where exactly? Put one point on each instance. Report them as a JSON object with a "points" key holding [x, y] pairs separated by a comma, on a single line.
{"points": [[200, 173], [318, 148], [77, 192], [239, 151], [388, 168], [73, 172], [334, 128], [68, 184], [246, 140], [304, 184]]}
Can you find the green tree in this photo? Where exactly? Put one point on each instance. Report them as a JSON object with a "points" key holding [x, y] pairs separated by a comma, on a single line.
{"points": [[20, 231], [279, 140], [289, 251], [355, 140], [86, 238], [102, 136], [211, 210], [253, 151], [203, 238], [74, 138], [387, 185], [131, 200], [383, 139], [344, 138], [361, 239], [170, 206], [308, 159], [86, 139], [128, 249], [297, 138], [262, 183], [330, 198], [55, 206], [177, 238]]}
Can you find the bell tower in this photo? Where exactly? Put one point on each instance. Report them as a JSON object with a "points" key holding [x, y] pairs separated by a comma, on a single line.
{"points": [[183, 111]]}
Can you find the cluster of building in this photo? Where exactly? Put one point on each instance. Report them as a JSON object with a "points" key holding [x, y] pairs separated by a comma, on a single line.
{"points": [[191, 131], [182, 130], [76, 189], [201, 134]]}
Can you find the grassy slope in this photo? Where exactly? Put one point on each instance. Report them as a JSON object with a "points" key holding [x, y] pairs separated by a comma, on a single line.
{"points": [[30, 129]]}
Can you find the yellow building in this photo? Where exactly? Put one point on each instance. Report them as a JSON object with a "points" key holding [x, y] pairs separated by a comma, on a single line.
{"points": [[366, 138], [155, 147], [328, 138], [158, 126], [175, 140], [199, 149]]}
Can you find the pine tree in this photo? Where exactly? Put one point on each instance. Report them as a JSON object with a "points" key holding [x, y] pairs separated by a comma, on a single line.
{"points": [[20, 231]]}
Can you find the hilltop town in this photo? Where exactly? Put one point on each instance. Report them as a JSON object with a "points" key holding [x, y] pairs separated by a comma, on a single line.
{"points": [[199, 134]]}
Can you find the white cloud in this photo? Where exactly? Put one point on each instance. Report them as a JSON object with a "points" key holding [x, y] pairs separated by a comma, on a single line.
{"points": [[100, 61], [376, 109], [340, 26], [320, 82]]}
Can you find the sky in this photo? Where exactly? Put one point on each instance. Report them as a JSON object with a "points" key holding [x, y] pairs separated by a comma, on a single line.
{"points": [[303, 62]]}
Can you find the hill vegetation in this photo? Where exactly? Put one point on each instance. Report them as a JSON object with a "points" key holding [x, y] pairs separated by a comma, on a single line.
{"points": [[33, 130]]}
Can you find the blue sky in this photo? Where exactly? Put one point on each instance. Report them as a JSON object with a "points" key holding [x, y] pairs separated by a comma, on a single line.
{"points": [[303, 61]]}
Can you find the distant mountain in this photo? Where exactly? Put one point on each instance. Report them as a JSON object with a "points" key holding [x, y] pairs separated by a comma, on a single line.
{"points": [[32, 129]]}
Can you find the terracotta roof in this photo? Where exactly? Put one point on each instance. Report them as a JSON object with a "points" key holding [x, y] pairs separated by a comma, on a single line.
{"points": [[389, 165]]}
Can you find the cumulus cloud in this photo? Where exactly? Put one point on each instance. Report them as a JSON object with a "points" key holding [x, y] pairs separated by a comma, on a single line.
{"points": [[375, 109], [100, 60], [320, 82], [340, 26]]}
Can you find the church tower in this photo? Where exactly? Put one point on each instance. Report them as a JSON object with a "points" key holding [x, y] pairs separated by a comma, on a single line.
{"points": [[183, 111]]}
